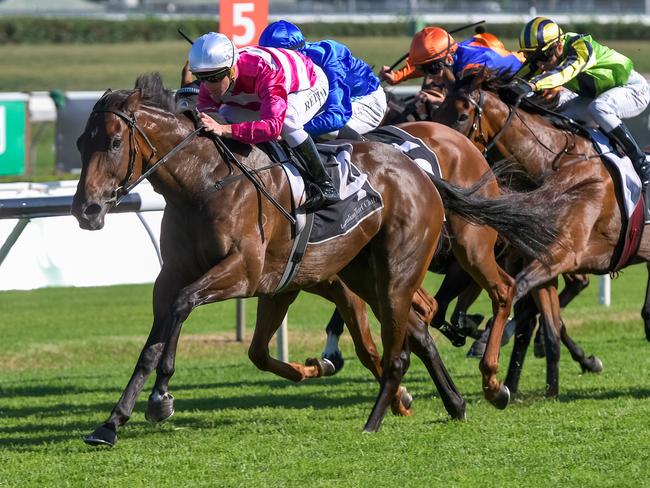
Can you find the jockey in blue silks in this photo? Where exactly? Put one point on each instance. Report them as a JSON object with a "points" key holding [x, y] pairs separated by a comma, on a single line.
{"points": [[356, 102]]}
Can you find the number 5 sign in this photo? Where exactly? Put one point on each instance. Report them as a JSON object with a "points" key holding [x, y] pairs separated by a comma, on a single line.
{"points": [[243, 20]]}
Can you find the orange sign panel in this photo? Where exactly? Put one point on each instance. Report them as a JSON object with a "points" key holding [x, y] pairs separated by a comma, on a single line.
{"points": [[243, 20]]}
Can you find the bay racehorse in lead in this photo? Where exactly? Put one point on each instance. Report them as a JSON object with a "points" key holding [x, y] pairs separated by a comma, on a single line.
{"points": [[220, 242]]}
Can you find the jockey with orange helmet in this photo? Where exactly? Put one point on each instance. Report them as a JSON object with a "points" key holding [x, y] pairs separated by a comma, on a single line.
{"points": [[264, 93], [607, 86], [433, 49]]}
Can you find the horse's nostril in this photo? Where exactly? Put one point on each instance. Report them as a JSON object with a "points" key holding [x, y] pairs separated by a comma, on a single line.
{"points": [[92, 209]]}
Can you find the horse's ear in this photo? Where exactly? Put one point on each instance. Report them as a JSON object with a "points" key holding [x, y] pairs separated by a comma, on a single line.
{"points": [[186, 75], [133, 100], [107, 92]]}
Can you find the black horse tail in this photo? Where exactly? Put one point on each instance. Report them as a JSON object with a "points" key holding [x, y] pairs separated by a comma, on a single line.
{"points": [[529, 220]]}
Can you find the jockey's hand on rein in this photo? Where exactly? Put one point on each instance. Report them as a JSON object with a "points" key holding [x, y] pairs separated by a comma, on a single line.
{"points": [[515, 90], [212, 126]]}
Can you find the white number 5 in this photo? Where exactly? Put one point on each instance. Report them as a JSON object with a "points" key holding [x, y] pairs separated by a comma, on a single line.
{"points": [[240, 20]]}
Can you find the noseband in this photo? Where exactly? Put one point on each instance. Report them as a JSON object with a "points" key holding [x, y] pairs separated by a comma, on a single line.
{"points": [[124, 188]]}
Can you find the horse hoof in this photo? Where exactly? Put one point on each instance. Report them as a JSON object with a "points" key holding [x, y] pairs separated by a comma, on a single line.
{"points": [[336, 359], [324, 366], [502, 398], [159, 408], [407, 398], [104, 435], [477, 350], [594, 365]]}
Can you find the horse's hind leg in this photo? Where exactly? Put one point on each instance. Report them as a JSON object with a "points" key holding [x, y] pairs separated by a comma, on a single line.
{"points": [[422, 345], [271, 310], [353, 310]]}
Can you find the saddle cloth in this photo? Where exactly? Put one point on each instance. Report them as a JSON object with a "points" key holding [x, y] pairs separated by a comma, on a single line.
{"points": [[411, 146], [358, 201], [628, 195]]}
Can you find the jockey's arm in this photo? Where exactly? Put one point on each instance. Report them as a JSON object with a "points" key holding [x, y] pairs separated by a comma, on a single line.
{"points": [[579, 55]]}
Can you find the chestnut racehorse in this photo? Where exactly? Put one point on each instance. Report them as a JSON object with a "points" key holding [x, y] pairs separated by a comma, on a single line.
{"points": [[551, 157], [220, 242]]}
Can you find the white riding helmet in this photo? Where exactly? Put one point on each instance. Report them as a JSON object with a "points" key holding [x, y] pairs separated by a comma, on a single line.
{"points": [[211, 52]]}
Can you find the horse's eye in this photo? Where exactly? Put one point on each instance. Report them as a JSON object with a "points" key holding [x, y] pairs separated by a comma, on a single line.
{"points": [[463, 117], [116, 143]]}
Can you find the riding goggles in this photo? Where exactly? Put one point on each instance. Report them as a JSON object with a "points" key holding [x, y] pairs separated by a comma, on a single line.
{"points": [[212, 76], [433, 67], [541, 56]]}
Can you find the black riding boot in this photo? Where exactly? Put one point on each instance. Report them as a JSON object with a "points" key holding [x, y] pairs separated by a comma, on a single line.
{"points": [[309, 155], [621, 135]]}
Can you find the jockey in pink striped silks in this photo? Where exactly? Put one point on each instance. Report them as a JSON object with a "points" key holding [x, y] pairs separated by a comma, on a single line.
{"points": [[264, 94]]}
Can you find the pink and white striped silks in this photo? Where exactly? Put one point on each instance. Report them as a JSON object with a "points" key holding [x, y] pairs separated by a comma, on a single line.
{"points": [[264, 79]]}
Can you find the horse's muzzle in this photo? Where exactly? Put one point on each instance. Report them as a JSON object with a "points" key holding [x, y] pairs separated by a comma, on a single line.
{"points": [[90, 215]]}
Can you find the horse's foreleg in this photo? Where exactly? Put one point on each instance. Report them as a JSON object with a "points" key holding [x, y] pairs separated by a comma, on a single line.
{"points": [[525, 312], [332, 352], [645, 311], [164, 291], [548, 303], [474, 249]]}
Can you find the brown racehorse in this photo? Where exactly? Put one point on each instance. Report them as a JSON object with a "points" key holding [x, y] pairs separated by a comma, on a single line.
{"points": [[472, 246], [551, 157], [423, 107], [231, 242]]}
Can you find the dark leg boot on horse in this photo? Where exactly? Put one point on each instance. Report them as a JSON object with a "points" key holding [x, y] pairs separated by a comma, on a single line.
{"points": [[308, 153], [621, 135]]}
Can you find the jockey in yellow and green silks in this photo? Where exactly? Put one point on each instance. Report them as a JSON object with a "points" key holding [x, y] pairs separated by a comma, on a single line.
{"points": [[608, 88]]}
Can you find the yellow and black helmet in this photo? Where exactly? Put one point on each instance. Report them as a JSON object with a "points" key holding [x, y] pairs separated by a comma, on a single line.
{"points": [[539, 34]]}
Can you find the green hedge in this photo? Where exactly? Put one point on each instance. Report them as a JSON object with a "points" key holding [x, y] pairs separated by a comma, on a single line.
{"points": [[69, 30]]}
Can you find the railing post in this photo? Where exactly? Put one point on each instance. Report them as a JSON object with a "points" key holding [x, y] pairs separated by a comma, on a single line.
{"points": [[604, 296], [241, 319]]}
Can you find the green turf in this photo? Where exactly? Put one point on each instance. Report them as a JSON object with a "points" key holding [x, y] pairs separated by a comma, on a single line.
{"points": [[69, 352]]}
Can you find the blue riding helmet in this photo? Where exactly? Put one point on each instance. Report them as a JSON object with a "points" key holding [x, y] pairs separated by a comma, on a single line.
{"points": [[282, 34]]}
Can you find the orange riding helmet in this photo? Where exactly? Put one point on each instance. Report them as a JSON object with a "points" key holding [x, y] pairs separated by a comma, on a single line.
{"points": [[431, 44]]}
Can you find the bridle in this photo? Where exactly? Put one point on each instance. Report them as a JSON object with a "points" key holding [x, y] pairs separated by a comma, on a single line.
{"points": [[477, 127], [124, 187]]}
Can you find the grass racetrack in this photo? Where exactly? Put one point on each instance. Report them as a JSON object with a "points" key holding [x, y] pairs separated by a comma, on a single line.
{"points": [[69, 352]]}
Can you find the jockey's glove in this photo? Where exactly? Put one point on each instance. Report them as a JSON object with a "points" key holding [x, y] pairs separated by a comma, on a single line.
{"points": [[515, 91]]}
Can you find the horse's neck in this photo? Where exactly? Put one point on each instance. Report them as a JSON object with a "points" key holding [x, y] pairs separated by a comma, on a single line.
{"points": [[536, 144], [190, 172]]}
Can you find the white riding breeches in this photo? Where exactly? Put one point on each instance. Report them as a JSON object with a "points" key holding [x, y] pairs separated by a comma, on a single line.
{"points": [[367, 113], [302, 106], [607, 110]]}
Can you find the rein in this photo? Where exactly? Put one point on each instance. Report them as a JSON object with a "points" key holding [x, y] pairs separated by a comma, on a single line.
{"points": [[477, 127], [124, 188], [250, 174], [121, 191]]}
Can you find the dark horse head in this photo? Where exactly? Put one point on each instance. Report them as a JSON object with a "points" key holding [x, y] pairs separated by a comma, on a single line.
{"points": [[111, 155]]}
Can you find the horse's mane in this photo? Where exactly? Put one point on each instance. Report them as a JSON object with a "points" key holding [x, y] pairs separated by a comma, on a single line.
{"points": [[154, 94], [483, 78]]}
